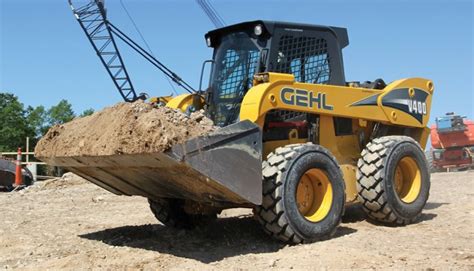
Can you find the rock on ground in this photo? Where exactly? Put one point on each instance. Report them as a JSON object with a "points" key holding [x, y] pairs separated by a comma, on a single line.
{"points": [[68, 179]]}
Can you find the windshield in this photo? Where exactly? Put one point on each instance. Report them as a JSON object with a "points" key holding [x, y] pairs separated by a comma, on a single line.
{"points": [[236, 60]]}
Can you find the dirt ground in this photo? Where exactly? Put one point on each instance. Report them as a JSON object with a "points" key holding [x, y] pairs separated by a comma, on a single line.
{"points": [[71, 224]]}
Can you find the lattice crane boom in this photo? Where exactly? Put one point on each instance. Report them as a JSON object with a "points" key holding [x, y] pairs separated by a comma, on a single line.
{"points": [[101, 33]]}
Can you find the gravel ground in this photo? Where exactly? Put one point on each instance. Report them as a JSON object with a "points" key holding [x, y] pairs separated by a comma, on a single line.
{"points": [[71, 224]]}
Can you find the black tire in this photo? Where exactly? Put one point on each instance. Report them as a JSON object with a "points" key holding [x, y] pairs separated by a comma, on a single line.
{"points": [[429, 160], [170, 212], [431, 166], [463, 168], [279, 213], [376, 183], [27, 177]]}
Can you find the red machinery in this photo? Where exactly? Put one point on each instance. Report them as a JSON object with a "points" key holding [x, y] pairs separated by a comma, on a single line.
{"points": [[452, 141]]}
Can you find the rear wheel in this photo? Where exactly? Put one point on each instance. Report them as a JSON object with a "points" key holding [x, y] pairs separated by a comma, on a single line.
{"points": [[171, 213], [431, 165], [429, 159], [393, 180], [303, 194]]}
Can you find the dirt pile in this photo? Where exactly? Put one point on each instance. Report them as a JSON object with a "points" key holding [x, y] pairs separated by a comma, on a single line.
{"points": [[125, 128]]}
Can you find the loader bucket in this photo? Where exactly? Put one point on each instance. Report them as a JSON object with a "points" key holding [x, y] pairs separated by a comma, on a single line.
{"points": [[224, 166]]}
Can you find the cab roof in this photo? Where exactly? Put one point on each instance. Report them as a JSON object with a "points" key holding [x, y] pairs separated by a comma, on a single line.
{"points": [[270, 26]]}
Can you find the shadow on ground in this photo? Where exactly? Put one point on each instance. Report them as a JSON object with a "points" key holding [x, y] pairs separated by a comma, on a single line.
{"points": [[425, 217], [226, 237], [354, 214], [434, 205]]}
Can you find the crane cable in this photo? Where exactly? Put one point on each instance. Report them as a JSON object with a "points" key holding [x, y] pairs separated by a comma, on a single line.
{"points": [[211, 13], [214, 11], [145, 42]]}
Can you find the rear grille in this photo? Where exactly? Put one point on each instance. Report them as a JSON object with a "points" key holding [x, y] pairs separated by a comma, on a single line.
{"points": [[307, 59], [304, 57]]}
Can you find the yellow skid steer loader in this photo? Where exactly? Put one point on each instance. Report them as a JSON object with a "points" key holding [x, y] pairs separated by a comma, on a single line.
{"points": [[297, 142]]}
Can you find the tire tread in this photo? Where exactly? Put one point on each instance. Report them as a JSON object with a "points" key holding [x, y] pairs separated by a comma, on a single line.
{"points": [[271, 213], [370, 178]]}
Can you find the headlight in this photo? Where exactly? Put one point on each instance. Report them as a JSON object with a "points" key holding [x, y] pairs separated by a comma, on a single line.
{"points": [[208, 41], [258, 30]]}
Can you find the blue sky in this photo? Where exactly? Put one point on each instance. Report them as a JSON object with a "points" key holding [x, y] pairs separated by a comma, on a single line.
{"points": [[45, 57]]}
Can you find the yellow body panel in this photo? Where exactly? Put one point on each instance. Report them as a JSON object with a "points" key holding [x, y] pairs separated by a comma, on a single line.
{"points": [[266, 96], [162, 99], [364, 106], [398, 117], [349, 173], [183, 101]]}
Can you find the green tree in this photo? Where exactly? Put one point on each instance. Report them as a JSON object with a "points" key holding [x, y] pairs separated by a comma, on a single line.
{"points": [[60, 113], [36, 118], [13, 124], [87, 112], [17, 123]]}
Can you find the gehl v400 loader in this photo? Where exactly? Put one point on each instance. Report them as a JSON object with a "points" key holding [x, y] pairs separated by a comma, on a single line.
{"points": [[298, 143]]}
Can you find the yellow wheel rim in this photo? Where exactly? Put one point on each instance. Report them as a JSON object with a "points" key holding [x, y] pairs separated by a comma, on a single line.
{"points": [[407, 180], [314, 195]]}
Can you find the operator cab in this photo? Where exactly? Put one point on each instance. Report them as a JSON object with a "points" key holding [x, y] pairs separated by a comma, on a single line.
{"points": [[312, 53]]}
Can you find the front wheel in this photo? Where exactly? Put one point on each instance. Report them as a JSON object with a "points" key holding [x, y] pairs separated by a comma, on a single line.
{"points": [[393, 180], [171, 213], [303, 194]]}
